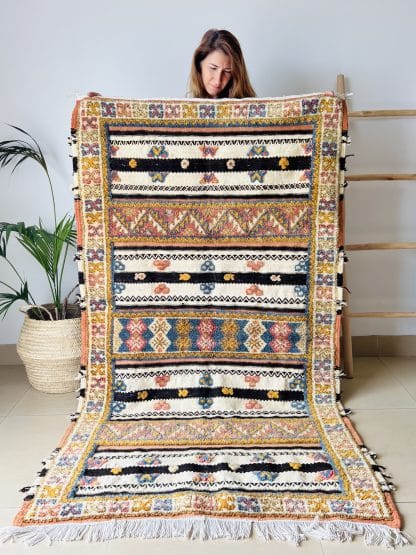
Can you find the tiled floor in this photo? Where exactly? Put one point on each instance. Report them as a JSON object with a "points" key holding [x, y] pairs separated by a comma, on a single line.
{"points": [[383, 399]]}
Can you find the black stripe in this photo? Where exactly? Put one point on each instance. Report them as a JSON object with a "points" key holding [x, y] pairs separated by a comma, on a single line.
{"points": [[246, 364], [209, 165], [238, 488], [253, 128], [206, 393], [193, 467], [230, 308], [103, 450], [227, 248], [211, 277], [271, 416], [212, 194]]}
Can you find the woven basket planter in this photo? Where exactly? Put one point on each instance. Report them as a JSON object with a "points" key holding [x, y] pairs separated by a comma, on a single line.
{"points": [[50, 351]]}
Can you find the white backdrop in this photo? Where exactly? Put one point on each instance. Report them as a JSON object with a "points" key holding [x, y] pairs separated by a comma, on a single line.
{"points": [[52, 51]]}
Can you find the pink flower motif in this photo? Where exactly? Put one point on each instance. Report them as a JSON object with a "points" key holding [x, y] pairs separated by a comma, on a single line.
{"points": [[161, 289], [255, 265], [252, 380], [253, 405], [161, 264], [161, 405], [162, 380], [254, 290]]}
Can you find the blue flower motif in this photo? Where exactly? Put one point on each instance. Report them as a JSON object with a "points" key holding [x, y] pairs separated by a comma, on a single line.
{"points": [[302, 266], [120, 385], [206, 380], [297, 383], [266, 476], [205, 403], [207, 288], [340, 506], [262, 458], [207, 266], [146, 478], [118, 406], [119, 288], [301, 291], [119, 266], [163, 505], [150, 460], [248, 504], [298, 405], [71, 509]]}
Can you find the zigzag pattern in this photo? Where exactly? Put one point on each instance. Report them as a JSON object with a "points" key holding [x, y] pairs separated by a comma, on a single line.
{"points": [[133, 300], [173, 220]]}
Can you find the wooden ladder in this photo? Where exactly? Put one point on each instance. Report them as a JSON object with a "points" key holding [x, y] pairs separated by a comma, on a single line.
{"points": [[346, 330]]}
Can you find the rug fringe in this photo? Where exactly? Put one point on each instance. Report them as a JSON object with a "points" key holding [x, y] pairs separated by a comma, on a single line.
{"points": [[206, 528]]}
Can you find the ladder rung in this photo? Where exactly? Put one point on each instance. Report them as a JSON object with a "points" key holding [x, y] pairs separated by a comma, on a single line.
{"points": [[381, 113], [382, 177], [380, 246], [382, 315]]}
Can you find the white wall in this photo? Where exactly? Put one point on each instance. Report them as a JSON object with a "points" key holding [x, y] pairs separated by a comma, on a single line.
{"points": [[50, 51]]}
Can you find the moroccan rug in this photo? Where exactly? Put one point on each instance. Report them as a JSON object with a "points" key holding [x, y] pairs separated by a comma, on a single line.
{"points": [[211, 260]]}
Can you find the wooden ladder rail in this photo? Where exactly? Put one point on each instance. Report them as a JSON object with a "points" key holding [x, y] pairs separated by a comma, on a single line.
{"points": [[346, 329]]}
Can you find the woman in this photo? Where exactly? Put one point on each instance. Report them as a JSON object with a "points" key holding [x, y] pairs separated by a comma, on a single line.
{"points": [[218, 69]]}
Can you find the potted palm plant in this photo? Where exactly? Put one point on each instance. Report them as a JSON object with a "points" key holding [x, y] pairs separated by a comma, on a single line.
{"points": [[49, 342]]}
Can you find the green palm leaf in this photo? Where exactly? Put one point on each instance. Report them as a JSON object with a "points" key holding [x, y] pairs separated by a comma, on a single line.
{"points": [[48, 248]]}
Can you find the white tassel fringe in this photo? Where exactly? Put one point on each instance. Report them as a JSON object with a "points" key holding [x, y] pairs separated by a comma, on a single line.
{"points": [[206, 528]]}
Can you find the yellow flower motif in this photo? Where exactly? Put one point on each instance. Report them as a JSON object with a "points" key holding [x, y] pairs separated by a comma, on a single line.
{"points": [[295, 466], [273, 394], [142, 395], [283, 163], [133, 163], [142, 506], [225, 503], [116, 470], [227, 391], [229, 277], [183, 392], [184, 277]]}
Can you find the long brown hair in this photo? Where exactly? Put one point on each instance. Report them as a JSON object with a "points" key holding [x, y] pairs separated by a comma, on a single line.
{"points": [[239, 85]]}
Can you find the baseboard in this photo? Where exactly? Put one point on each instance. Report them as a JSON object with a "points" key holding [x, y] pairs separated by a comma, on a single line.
{"points": [[363, 345], [384, 345], [8, 355]]}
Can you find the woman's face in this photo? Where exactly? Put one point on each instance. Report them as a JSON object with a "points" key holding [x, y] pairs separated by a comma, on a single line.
{"points": [[216, 72]]}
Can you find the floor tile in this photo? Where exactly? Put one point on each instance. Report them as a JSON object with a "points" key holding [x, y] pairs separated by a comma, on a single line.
{"points": [[11, 374], [374, 387], [403, 369], [190, 547], [28, 441], [13, 384], [392, 434], [36, 403], [7, 515]]}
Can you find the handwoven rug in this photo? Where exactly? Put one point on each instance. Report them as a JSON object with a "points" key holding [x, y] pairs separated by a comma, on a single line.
{"points": [[211, 258]]}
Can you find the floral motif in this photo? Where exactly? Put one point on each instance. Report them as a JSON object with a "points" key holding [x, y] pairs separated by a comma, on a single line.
{"points": [[248, 504]]}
